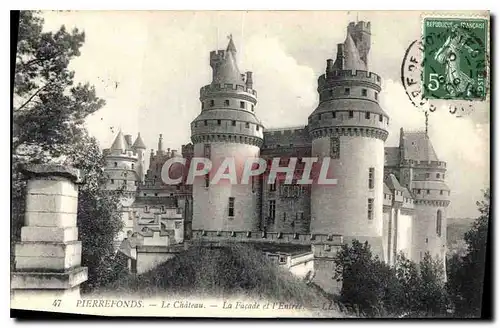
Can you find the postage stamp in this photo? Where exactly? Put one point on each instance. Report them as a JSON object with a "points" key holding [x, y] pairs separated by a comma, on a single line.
{"points": [[455, 58]]}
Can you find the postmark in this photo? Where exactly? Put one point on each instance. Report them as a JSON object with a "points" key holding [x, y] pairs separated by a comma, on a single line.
{"points": [[454, 58]]}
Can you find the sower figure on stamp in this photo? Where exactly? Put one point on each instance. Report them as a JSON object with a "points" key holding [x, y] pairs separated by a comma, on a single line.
{"points": [[457, 82]]}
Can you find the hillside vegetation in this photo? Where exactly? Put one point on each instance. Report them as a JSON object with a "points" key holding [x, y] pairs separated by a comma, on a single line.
{"points": [[237, 270]]}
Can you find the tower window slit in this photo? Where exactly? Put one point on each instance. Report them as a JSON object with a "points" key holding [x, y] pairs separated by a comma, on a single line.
{"points": [[371, 178], [242, 104], [212, 103], [370, 208], [351, 114], [231, 207]]}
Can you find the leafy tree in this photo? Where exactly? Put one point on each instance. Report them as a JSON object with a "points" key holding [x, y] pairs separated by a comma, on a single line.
{"points": [[466, 273], [48, 126]]}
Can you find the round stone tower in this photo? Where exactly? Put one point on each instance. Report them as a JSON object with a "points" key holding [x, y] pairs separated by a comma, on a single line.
{"points": [[424, 174], [350, 127], [227, 127]]}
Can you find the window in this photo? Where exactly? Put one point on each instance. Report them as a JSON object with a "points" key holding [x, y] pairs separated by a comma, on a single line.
{"points": [[351, 114], [146, 209], [156, 194], [334, 147], [438, 223], [427, 175], [370, 208], [272, 211], [371, 178], [205, 122], [252, 107], [272, 186], [163, 208], [438, 175], [112, 181], [136, 183], [231, 206], [257, 127], [212, 103], [233, 123], [207, 180], [116, 164], [440, 192], [428, 191], [247, 125], [418, 191], [367, 115], [226, 102], [282, 259], [145, 194], [284, 217], [376, 95], [381, 118], [124, 182], [426, 240], [202, 105], [334, 114], [218, 122], [331, 93], [347, 91], [242, 104], [132, 166], [364, 92]]}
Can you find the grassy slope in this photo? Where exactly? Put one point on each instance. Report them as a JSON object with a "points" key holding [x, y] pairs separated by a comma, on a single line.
{"points": [[236, 270]]}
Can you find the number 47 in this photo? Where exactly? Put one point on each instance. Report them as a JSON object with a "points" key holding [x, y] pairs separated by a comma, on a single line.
{"points": [[433, 84]]}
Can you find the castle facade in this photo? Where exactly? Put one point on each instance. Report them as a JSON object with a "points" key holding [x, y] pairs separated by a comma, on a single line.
{"points": [[394, 197]]}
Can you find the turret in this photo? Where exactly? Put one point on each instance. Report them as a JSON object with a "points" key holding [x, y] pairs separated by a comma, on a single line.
{"points": [[160, 145], [348, 124], [226, 127], [140, 149]]}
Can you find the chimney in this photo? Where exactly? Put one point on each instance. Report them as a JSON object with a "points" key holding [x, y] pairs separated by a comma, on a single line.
{"points": [[249, 80], [329, 66], [128, 139], [340, 55], [160, 144]]}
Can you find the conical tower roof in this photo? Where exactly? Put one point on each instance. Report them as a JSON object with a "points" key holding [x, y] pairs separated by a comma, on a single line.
{"points": [[119, 143], [227, 70], [139, 143], [352, 59]]}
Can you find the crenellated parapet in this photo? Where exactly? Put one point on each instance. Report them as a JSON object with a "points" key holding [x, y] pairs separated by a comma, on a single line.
{"points": [[267, 237], [335, 78], [241, 91], [228, 138], [368, 132]]}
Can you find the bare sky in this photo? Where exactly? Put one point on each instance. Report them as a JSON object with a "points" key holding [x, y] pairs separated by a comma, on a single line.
{"points": [[149, 67]]}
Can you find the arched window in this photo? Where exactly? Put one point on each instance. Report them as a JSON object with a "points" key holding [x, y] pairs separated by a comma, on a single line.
{"points": [[438, 223], [437, 175]]}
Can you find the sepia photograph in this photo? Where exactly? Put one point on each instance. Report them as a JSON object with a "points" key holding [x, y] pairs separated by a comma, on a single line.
{"points": [[250, 164]]}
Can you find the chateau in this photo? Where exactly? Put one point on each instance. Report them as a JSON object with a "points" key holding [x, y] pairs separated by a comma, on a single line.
{"points": [[394, 197]]}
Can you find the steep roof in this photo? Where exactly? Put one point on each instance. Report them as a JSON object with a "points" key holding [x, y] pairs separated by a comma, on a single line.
{"points": [[120, 143], [227, 70], [139, 143], [391, 156], [352, 59], [418, 147], [393, 183]]}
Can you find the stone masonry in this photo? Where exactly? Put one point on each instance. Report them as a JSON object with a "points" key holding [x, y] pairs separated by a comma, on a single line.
{"points": [[48, 257]]}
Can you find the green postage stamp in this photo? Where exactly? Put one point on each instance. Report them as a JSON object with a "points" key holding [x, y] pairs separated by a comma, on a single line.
{"points": [[455, 57]]}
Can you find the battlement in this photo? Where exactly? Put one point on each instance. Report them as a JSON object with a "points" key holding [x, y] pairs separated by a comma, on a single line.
{"points": [[267, 237], [359, 26], [126, 155], [333, 77], [424, 164], [208, 90], [216, 56]]}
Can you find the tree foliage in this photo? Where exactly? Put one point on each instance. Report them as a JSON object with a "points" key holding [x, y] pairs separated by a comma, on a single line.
{"points": [[48, 126], [375, 288], [466, 273]]}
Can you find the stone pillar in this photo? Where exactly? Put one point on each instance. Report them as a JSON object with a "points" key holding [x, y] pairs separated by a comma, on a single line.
{"points": [[48, 258]]}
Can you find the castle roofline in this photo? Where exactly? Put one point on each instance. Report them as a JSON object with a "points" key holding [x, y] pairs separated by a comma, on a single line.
{"points": [[119, 143], [418, 147], [139, 143]]}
